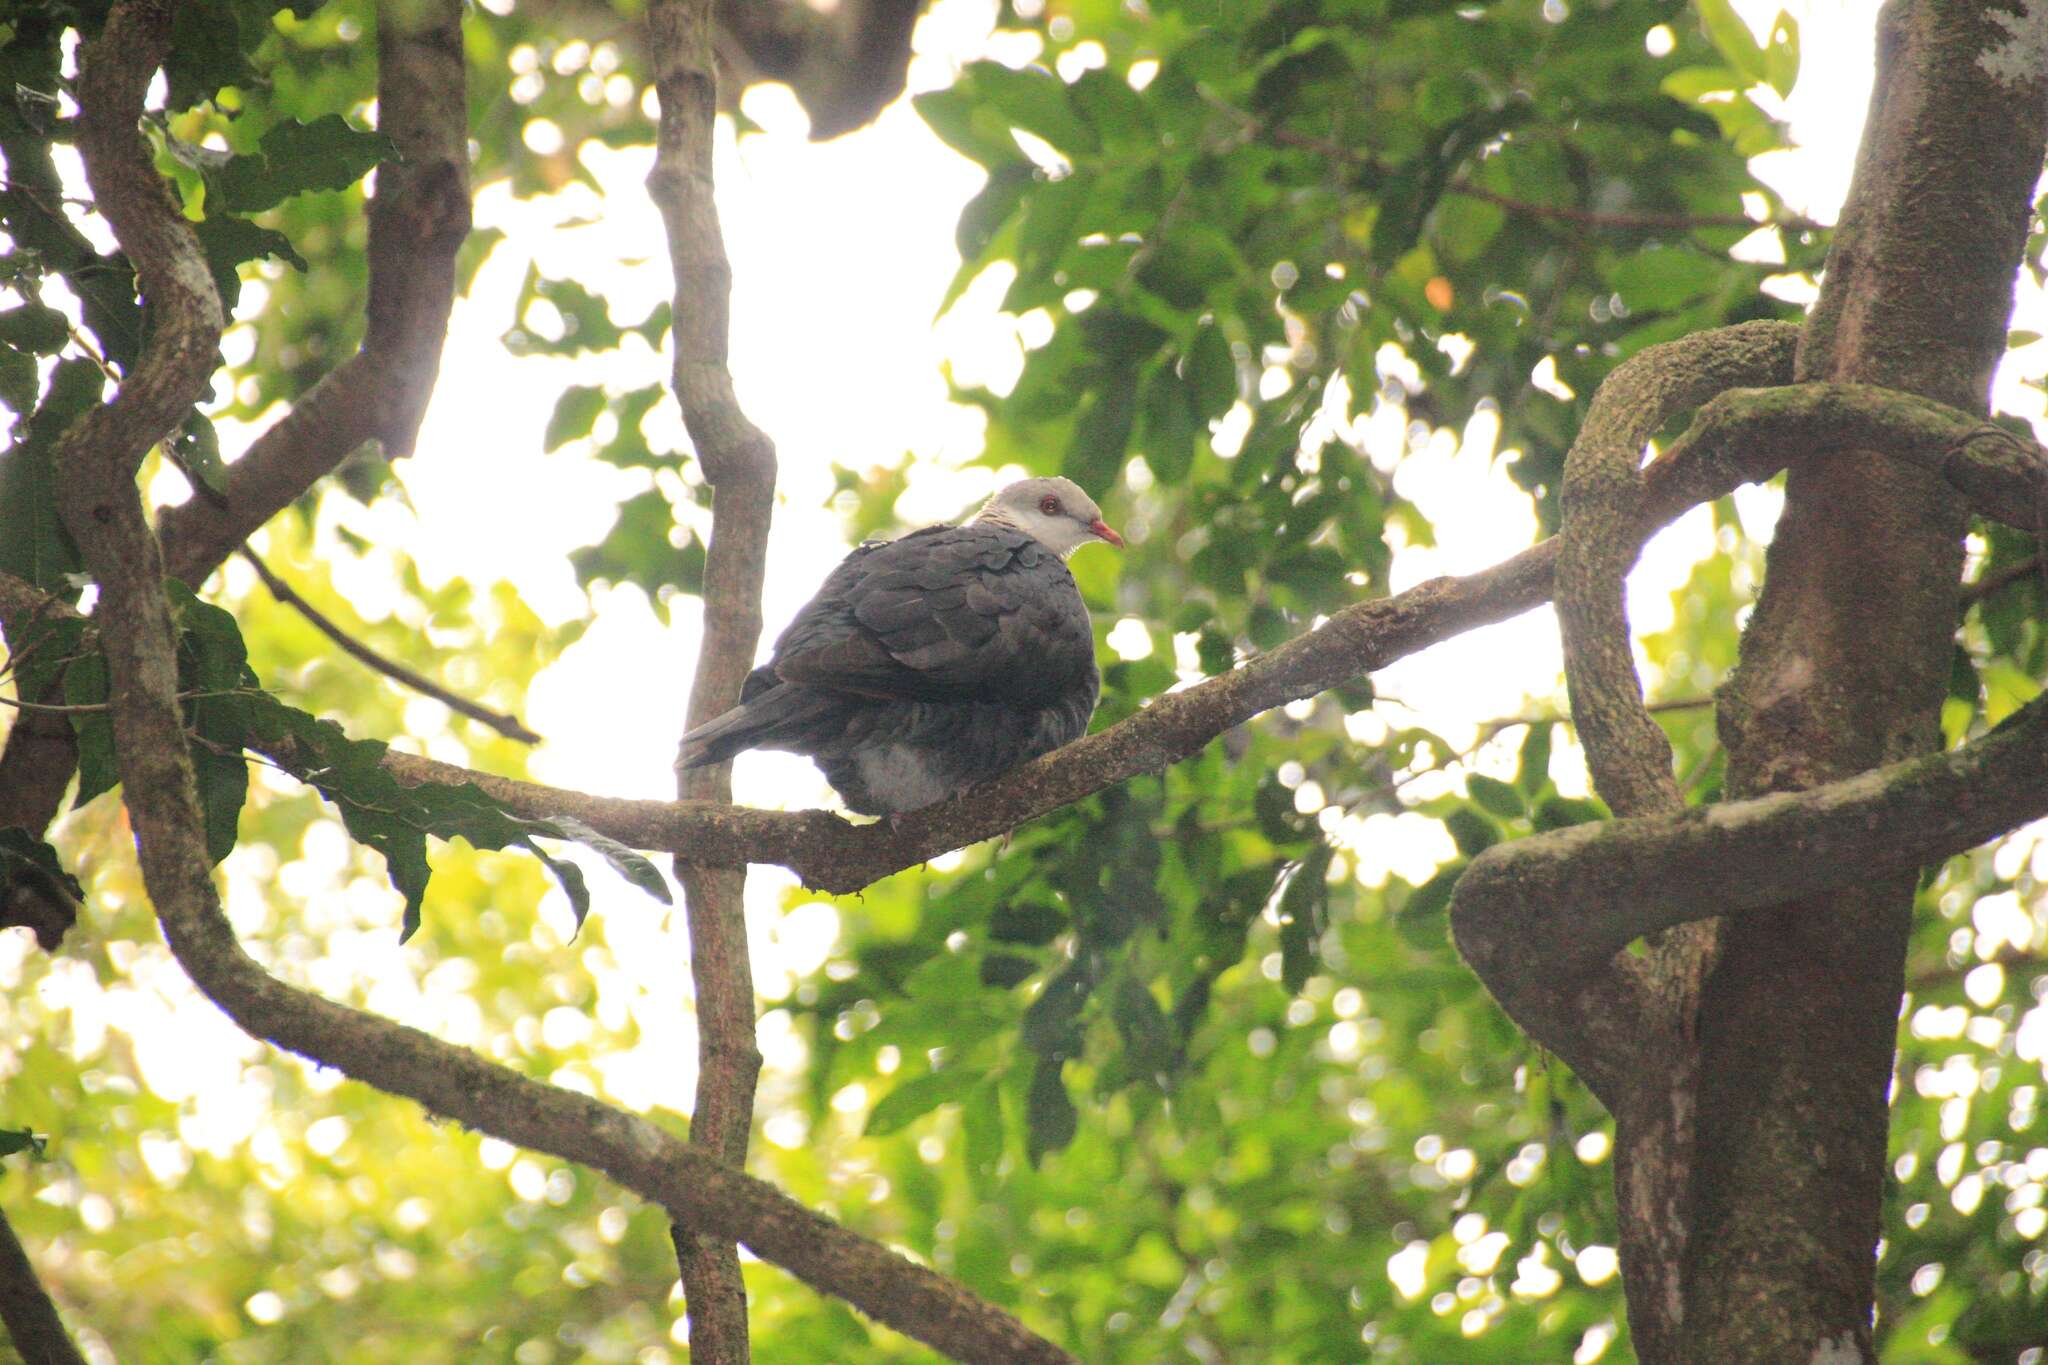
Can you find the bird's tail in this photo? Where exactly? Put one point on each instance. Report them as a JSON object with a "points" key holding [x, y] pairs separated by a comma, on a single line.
{"points": [[769, 721]]}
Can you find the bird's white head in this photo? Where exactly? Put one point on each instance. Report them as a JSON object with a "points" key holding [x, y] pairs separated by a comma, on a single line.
{"points": [[1054, 512]]}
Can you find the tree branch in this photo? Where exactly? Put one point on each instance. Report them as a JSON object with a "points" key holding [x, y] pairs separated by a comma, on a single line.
{"points": [[1587, 218], [845, 63], [1630, 761], [739, 462], [1991, 584], [27, 1310], [1624, 221], [1542, 907], [103, 509], [418, 219], [1607, 1019], [505, 725], [835, 855], [1604, 486], [2002, 474]]}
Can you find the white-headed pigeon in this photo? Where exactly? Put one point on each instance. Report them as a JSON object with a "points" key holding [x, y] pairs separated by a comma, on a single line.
{"points": [[928, 664]]}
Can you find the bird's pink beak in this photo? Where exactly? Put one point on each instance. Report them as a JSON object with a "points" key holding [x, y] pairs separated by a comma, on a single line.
{"points": [[1102, 529]]}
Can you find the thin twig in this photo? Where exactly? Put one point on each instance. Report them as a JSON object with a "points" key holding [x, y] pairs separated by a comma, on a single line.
{"points": [[1942, 974], [1993, 583], [29, 192], [87, 708], [505, 725], [1591, 218], [1622, 221]]}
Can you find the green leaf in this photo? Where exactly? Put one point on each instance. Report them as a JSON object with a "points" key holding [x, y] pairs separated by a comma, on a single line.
{"points": [[915, 1098], [970, 127], [1472, 832], [1731, 37], [1186, 267], [566, 873], [1049, 1118], [1052, 1024], [1002, 971], [293, 158], [14, 1140], [586, 319], [1781, 55], [637, 550], [628, 449], [33, 542], [33, 327], [1557, 812], [981, 1126], [1495, 796], [576, 412], [1211, 374], [211, 652], [1533, 774], [223, 780], [208, 50], [1657, 281], [1311, 67], [1422, 920], [635, 867], [1303, 911], [1167, 426], [1465, 226], [1037, 101], [229, 241], [1315, 573], [195, 449], [1116, 112], [213, 659], [1148, 1037], [995, 204], [17, 382], [1692, 84], [36, 892], [1027, 922], [85, 684], [1102, 435], [396, 819]]}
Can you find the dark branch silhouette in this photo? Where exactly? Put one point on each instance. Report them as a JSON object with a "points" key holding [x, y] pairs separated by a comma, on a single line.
{"points": [[27, 1310], [284, 592]]}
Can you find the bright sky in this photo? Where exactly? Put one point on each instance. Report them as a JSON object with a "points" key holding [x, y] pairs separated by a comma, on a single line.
{"points": [[841, 253]]}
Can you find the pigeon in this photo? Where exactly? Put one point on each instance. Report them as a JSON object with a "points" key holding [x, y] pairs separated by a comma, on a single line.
{"points": [[928, 664]]}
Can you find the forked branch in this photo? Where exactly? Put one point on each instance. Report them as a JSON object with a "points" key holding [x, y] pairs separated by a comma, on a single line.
{"points": [[103, 509], [419, 217], [1529, 912]]}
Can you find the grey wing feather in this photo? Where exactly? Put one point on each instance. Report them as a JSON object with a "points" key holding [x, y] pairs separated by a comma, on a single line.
{"points": [[952, 613], [921, 667]]}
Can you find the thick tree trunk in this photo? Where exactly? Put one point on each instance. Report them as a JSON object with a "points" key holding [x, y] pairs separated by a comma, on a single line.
{"points": [[1843, 668]]}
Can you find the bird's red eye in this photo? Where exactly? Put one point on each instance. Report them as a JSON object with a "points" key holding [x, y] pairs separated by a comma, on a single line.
{"points": [[1049, 506]]}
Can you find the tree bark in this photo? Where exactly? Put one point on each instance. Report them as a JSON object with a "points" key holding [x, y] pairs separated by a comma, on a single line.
{"points": [[738, 460], [27, 1311], [1843, 668]]}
